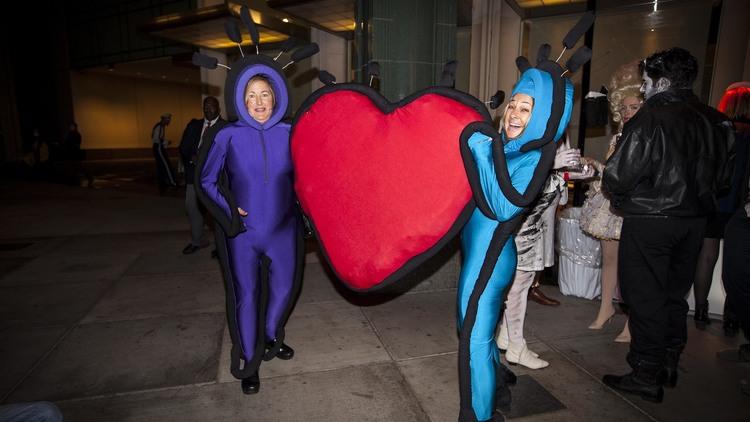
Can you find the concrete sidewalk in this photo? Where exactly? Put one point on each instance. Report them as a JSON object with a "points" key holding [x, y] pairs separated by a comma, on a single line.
{"points": [[102, 314]]}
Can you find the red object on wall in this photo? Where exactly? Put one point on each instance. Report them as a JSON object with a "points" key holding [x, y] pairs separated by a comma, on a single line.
{"points": [[383, 184]]}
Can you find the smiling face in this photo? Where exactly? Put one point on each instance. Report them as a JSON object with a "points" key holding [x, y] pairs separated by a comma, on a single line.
{"points": [[628, 108], [259, 99], [517, 115]]}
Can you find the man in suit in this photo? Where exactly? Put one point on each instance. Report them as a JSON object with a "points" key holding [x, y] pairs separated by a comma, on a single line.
{"points": [[189, 146]]}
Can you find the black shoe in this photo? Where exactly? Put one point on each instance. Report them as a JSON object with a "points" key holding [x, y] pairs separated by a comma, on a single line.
{"points": [[701, 317], [731, 327], [251, 384], [669, 375], [630, 383], [284, 353], [190, 248], [214, 254]]}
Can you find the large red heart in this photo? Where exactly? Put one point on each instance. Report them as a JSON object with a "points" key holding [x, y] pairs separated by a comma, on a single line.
{"points": [[382, 183]]}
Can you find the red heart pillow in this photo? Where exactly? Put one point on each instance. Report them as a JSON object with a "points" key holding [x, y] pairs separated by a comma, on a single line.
{"points": [[382, 183]]}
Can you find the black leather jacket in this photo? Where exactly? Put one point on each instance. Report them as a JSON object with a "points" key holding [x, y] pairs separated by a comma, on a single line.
{"points": [[672, 160]]}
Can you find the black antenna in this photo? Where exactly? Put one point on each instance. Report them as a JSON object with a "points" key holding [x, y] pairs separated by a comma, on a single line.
{"points": [[543, 53], [577, 31], [522, 63], [234, 34], [373, 71], [496, 99], [248, 21], [287, 45], [581, 56], [208, 62], [302, 53], [326, 78], [448, 78]]}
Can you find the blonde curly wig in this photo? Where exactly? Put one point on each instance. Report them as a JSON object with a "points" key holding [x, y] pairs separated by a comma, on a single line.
{"points": [[625, 82]]}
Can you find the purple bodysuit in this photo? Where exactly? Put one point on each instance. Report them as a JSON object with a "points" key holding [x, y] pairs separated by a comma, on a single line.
{"points": [[248, 165]]}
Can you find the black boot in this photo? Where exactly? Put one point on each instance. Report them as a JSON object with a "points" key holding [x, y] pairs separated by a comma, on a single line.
{"points": [[701, 316], [672, 359], [645, 380], [505, 374], [502, 397], [251, 384], [731, 326]]}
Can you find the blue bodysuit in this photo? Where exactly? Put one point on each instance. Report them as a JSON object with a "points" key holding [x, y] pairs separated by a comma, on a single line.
{"points": [[248, 165], [487, 239]]}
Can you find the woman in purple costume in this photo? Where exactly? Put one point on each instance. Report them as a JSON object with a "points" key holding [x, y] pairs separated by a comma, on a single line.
{"points": [[246, 182]]}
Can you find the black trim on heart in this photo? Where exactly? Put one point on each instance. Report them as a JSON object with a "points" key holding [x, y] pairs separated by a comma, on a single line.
{"points": [[387, 107]]}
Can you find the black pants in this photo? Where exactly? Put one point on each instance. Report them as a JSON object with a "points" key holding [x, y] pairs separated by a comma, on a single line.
{"points": [[657, 259], [164, 172], [737, 267]]}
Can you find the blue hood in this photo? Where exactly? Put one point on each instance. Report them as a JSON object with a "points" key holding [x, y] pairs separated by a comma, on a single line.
{"points": [[538, 84], [281, 94]]}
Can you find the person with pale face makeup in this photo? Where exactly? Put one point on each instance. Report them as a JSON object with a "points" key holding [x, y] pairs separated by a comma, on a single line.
{"points": [[663, 178]]}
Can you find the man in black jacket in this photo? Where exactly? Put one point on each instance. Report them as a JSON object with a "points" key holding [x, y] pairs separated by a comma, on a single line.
{"points": [[663, 177], [189, 147]]}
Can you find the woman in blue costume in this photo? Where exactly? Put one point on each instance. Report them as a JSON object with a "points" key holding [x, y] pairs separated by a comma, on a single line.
{"points": [[506, 172]]}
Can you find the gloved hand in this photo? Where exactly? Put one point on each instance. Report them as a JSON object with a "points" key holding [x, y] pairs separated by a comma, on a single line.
{"points": [[567, 157], [586, 172]]}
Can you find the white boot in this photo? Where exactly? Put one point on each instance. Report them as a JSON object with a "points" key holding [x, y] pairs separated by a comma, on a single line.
{"points": [[502, 338], [521, 355]]}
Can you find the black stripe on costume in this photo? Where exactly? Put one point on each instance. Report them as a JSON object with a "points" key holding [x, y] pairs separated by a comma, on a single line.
{"points": [[472, 173], [537, 180], [231, 225], [499, 238], [250, 367], [387, 107], [558, 105]]}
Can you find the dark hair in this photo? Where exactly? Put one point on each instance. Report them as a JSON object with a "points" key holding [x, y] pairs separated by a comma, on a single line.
{"points": [[675, 64]]}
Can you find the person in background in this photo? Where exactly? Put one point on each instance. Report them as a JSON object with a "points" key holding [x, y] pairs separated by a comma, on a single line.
{"points": [[159, 144], [39, 411], [736, 275], [735, 103], [597, 218], [189, 146], [75, 155], [535, 245], [664, 177]]}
